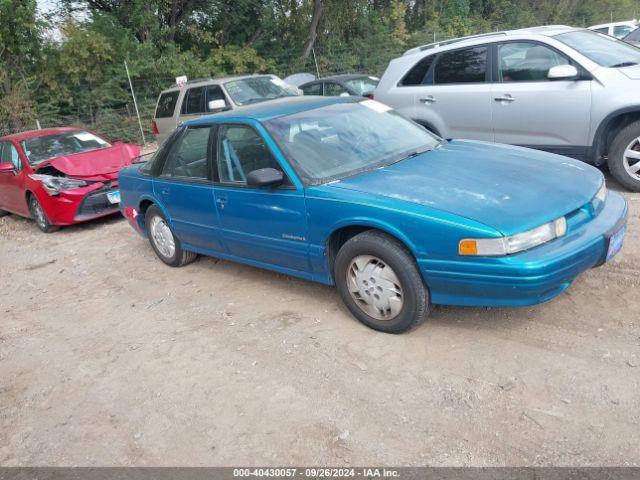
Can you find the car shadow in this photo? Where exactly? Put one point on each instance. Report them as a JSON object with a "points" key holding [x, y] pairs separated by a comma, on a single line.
{"points": [[91, 224]]}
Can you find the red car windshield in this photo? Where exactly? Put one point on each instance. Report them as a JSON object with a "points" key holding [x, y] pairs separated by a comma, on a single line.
{"points": [[43, 148]]}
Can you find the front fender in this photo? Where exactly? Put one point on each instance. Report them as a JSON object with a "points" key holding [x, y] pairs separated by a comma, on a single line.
{"points": [[372, 223]]}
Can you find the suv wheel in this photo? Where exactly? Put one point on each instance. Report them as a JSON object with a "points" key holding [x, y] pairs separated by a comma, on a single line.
{"points": [[164, 242], [380, 284], [624, 157]]}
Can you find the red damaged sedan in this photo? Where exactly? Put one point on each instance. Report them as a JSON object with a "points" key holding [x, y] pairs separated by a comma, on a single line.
{"points": [[61, 176]]}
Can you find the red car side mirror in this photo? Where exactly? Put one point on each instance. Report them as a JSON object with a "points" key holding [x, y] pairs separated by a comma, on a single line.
{"points": [[7, 167]]}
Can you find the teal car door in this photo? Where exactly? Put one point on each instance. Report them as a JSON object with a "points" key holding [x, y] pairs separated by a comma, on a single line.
{"points": [[185, 189], [265, 225]]}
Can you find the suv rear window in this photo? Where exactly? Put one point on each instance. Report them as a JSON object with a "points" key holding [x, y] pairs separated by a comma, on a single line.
{"points": [[167, 104], [417, 75], [462, 66]]}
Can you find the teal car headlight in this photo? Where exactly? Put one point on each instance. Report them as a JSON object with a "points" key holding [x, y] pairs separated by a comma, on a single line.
{"points": [[513, 243], [602, 193], [599, 198]]}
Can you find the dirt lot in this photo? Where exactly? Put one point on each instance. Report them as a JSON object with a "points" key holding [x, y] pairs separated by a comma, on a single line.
{"points": [[107, 357]]}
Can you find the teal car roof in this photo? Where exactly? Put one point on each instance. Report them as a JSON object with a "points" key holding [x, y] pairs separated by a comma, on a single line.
{"points": [[268, 110]]}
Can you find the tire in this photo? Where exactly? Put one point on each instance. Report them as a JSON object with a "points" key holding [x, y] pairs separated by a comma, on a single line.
{"points": [[3, 213], [39, 216], [626, 139], [164, 242], [369, 255]]}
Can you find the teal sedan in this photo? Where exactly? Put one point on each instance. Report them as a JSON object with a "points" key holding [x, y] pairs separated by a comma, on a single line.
{"points": [[347, 192]]}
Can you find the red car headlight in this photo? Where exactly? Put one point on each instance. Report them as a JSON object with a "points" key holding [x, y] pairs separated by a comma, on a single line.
{"points": [[55, 185]]}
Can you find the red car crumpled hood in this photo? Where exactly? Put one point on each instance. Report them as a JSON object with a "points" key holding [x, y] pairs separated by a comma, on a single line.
{"points": [[96, 165]]}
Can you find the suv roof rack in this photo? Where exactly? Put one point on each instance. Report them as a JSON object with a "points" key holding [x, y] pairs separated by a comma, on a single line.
{"points": [[429, 46]]}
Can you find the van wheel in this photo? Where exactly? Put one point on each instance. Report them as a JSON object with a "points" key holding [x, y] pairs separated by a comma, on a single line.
{"points": [[163, 241], [380, 284], [38, 216], [624, 157]]}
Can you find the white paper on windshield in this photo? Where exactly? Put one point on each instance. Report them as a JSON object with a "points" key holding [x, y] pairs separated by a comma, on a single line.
{"points": [[85, 137], [376, 106]]}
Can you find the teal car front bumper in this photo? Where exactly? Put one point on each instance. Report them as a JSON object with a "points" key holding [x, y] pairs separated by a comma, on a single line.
{"points": [[529, 277]]}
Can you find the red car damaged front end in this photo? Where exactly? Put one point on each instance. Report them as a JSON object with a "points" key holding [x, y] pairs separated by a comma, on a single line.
{"points": [[83, 186]]}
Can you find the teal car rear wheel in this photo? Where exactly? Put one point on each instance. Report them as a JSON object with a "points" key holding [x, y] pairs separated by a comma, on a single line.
{"points": [[163, 241]]}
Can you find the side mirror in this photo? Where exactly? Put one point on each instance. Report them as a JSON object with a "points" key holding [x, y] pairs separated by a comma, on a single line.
{"points": [[217, 105], [345, 94], [265, 177], [563, 72], [7, 167]]}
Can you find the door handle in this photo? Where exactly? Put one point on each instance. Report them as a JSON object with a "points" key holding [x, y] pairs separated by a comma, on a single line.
{"points": [[428, 99], [221, 201], [505, 98]]}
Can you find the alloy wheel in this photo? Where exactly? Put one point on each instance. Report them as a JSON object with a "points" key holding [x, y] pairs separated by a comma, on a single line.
{"points": [[631, 159]]}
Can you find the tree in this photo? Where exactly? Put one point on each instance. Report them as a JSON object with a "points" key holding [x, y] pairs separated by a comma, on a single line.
{"points": [[20, 47], [318, 8]]}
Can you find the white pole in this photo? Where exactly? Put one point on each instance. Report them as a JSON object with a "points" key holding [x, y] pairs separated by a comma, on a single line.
{"points": [[135, 104], [313, 50]]}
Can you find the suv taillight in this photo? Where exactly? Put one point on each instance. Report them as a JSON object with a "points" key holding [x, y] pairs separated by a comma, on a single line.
{"points": [[155, 128]]}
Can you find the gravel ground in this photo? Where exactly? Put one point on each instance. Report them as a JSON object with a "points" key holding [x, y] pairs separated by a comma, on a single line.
{"points": [[107, 357]]}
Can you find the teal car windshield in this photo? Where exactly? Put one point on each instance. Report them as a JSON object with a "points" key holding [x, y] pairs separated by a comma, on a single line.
{"points": [[344, 139]]}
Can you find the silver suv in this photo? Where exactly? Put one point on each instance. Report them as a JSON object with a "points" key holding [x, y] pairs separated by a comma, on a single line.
{"points": [[565, 90], [212, 95]]}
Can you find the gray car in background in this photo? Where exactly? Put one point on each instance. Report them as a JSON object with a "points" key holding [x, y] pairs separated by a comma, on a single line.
{"points": [[212, 95], [565, 90], [341, 85]]}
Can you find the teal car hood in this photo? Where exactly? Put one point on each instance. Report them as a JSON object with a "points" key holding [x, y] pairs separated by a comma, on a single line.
{"points": [[511, 189]]}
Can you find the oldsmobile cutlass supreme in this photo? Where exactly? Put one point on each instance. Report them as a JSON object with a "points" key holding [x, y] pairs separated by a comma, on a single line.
{"points": [[345, 191]]}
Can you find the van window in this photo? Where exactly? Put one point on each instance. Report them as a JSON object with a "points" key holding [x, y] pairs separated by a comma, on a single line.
{"points": [[468, 65], [418, 74], [214, 92], [194, 102], [167, 104]]}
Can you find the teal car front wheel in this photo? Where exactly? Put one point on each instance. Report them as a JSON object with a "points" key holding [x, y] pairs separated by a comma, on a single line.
{"points": [[380, 284]]}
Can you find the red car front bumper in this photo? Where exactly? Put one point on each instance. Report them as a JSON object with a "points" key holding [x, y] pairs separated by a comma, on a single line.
{"points": [[80, 204]]}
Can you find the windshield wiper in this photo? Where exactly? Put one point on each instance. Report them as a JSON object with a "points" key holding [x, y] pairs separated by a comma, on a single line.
{"points": [[623, 64], [412, 154]]}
